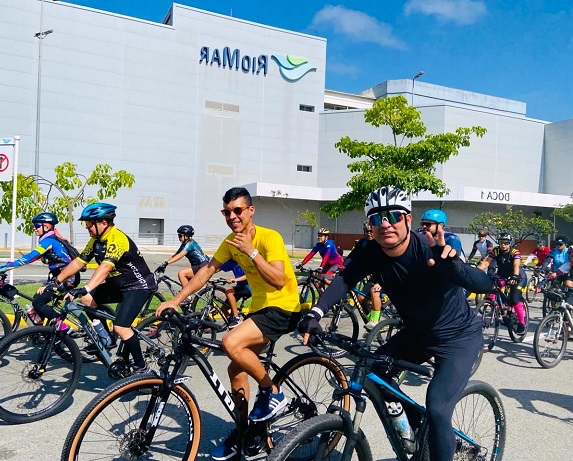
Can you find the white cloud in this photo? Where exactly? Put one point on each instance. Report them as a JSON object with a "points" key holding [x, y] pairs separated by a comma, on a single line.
{"points": [[462, 12], [356, 26]]}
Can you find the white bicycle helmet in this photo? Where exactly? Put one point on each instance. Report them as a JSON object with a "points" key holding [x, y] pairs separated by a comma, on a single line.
{"points": [[387, 198]]}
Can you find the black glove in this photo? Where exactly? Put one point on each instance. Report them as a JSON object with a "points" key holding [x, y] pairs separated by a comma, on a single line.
{"points": [[54, 286], [162, 267], [299, 266], [309, 323], [452, 265], [78, 292]]}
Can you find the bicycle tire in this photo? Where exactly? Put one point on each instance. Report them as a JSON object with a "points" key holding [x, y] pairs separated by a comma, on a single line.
{"points": [[112, 423], [487, 429], [382, 332], [340, 319], [513, 322], [308, 381], [531, 289], [15, 311], [26, 393], [550, 340], [322, 437], [5, 325], [490, 323], [307, 295]]}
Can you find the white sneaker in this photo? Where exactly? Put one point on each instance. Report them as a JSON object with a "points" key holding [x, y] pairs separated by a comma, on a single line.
{"points": [[370, 325]]}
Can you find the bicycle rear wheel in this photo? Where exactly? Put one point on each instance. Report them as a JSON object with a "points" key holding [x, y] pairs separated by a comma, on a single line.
{"points": [[320, 438], [531, 289], [116, 422], [550, 340], [490, 323], [340, 319], [28, 392], [5, 325], [307, 295], [308, 381], [479, 415]]}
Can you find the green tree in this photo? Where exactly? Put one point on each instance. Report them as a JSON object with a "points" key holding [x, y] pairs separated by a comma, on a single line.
{"points": [[514, 222], [34, 194], [411, 167], [565, 213]]}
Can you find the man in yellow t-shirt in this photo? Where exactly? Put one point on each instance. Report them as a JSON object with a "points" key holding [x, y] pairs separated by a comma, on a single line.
{"points": [[274, 310]]}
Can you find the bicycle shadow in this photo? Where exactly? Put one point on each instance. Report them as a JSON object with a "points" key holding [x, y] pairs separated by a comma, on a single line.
{"points": [[214, 431], [528, 398]]}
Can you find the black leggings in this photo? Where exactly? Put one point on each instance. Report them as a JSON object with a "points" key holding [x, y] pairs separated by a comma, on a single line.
{"points": [[454, 360]]}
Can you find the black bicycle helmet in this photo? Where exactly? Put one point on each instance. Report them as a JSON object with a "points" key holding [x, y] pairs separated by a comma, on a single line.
{"points": [[45, 217], [505, 236], [186, 229], [98, 211]]}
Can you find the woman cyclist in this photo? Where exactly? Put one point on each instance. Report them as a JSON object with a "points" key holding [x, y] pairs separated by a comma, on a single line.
{"points": [[508, 261], [52, 252], [190, 249]]}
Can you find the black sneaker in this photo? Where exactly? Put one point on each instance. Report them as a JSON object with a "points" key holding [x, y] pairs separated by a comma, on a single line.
{"points": [[520, 330], [228, 449]]}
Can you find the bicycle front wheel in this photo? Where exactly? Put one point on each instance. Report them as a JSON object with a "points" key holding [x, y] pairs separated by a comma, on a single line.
{"points": [[490, 323], [117, 423], [306, 294], [550, 340], [531, 289], [479, 423], [5, 326], [13, 308], [308, 381], [341, 319], [320, 438], [29, 391]]}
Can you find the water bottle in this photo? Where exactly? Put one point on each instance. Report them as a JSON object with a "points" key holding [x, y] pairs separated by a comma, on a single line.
{"points": [[34, 317], [402, 426], [102, 333]]}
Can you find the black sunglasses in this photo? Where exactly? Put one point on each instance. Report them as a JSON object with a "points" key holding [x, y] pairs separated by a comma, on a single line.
{"points": [[237, 210]]}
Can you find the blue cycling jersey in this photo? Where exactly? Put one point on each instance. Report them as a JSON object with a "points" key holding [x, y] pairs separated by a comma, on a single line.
{"points": [[49, 250], [193, 253], [558, 258], [454, 241]]}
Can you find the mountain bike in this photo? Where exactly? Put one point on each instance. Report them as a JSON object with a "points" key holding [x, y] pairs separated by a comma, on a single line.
{"points": [[384, 330], [5, 325], [40, 366], [158, 417], [310, 287], [535, 284], [496, 311], [553, 332], [478, 419]]}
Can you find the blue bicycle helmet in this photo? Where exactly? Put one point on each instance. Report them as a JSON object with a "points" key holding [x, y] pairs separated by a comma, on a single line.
{"points": [[98, 211], [45, 217], [435, 215]]}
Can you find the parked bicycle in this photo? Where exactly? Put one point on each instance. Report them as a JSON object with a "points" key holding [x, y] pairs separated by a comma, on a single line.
{"points": [[158, 417], [496, 311], [554, 330], [478, 419], [40, 366]]}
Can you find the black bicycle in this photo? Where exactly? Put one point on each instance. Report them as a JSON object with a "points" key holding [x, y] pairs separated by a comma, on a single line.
{"points": [[478, 420], [157, 417], [40, 366]]}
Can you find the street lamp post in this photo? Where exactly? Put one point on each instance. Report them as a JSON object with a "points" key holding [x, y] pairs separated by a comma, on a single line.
{"points": [[418, 75]]}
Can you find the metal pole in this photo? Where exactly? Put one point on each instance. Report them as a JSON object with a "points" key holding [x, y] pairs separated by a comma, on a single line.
{"points": [[40, 36], [418, 75], [14, 197]]}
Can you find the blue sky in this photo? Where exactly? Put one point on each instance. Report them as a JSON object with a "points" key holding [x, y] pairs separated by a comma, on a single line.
{"points": [[520, 50]]}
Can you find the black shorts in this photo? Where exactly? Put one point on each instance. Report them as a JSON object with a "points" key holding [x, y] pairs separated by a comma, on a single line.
{"points": [[198, 266], [274, 321], [129, 302], [242, 292]]}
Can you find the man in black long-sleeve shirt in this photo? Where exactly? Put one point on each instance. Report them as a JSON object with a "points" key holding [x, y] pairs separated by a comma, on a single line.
{"points": [[424, 279]]}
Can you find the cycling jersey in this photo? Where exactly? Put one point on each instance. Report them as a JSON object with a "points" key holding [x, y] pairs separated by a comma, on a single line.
{"points": [[431, 302], [130, 271], [193, 253], [483, 247], [505, 260], [232, 266], [541, 254], [557, 257], [271, 246], [49, 250], [329, 253]]}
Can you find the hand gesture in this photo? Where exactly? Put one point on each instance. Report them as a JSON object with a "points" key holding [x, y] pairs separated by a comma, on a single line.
{"points": [[440, 250], [309, 324], [243, 243]]}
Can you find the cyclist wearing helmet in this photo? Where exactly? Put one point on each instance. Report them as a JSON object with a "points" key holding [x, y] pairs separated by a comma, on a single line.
{"points": [[558, 256], [51, 251], [541, 253], [508, 261], [331, 259], [482, 244], [434, 219], [191, 250], [425, 279], [128, 280]]}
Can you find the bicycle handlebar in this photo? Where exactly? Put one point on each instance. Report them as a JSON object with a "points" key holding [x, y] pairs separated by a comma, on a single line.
{"points": [[348, 344], [186, 322]]}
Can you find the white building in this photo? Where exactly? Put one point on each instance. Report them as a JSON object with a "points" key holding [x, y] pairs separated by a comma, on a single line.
{"points": [[205, 102]]}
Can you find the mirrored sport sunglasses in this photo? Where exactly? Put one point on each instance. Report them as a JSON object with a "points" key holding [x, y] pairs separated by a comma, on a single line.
{"points": [[89, 224], [393, 217], [37, 225], [237, 210]]}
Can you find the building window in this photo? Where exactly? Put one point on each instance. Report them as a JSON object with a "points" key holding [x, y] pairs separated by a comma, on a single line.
{"points": [[306, 108], [305, 168]]}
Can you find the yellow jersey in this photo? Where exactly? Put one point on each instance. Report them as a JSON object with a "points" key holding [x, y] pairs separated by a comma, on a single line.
{"points": [[271, 247]]}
